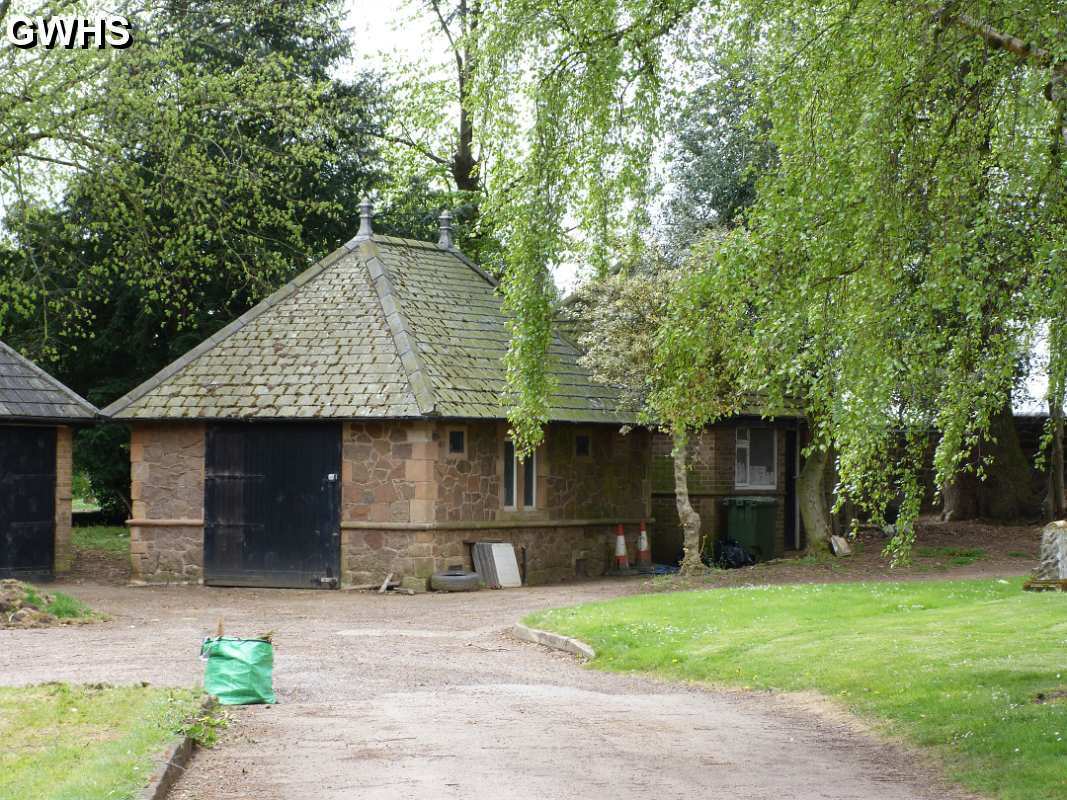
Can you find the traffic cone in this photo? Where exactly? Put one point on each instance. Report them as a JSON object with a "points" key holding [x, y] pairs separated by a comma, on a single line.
{"points": [[644, 551], [622, 561]]}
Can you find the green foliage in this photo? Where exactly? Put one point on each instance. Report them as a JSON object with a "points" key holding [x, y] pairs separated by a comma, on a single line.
{"points": [[614, 320], [718, 150], [103, 453], [699, 375], [432, 139], [59, 605], [212, 161], [105, 538], [978, 656], [204, 727], [61, 752], [899, 260], [63, 606], [550, 97], [182, 157]]}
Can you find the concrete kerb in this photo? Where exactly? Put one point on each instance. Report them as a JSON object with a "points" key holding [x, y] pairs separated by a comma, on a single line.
{"points": [[566, 644], [173, 764]]}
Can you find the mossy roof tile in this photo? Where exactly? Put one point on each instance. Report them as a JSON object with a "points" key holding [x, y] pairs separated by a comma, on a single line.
{"points": [[385, 327]]}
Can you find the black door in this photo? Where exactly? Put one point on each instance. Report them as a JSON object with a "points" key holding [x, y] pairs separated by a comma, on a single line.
{"points": [[792, 528], [272, 505], [27, 502]]}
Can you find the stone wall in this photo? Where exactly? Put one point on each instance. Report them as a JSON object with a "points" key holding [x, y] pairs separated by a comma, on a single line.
{"points": [[167, 489], [612, 482], [64, 556], [407, 505], [711, 456], [469, 486], [552, 552], [387, 472]]}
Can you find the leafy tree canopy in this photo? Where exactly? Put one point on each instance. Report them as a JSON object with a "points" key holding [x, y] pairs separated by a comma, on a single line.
{"points": [[189, 148], [896, 263], [220, 157]]}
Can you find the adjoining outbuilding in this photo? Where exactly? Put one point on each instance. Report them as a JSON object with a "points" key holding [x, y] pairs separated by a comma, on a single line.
{"points": [[350, 426], [37, 417], [742, 481]]}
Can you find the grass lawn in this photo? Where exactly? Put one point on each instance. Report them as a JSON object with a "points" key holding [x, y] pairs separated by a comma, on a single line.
{"points": [[974, 670], [109, 538], [65, 742]]}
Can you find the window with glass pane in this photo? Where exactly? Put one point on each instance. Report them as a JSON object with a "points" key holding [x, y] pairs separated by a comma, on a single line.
{"points": [[756, 458], [457, 442], [529, 490], [582, 445], [741, 471], [509, 474]]}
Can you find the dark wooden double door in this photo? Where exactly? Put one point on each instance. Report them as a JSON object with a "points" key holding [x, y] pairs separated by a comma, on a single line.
{"points": [[272, 498], [27, 501]]}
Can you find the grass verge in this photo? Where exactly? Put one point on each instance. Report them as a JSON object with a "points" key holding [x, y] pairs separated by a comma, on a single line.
{"points": [[109, 538], [973, 670], [59, 605], [63, 742]]}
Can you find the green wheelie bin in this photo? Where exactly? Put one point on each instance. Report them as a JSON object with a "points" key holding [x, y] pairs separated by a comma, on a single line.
{"points": [[752, 521]]}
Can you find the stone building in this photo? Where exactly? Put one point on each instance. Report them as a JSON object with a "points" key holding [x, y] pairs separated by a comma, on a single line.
{"points": [[37, 415], [350, 426]]}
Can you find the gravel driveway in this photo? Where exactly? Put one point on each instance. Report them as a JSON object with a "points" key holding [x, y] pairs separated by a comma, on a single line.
{"points": [[425, 697]]}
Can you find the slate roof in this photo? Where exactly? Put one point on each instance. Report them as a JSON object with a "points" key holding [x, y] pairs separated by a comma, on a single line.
{"points": [[29, 394], [381, 328]]}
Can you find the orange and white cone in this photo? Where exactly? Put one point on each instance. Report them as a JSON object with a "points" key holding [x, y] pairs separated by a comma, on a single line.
{"points": [[622, 560], [644, 551]]}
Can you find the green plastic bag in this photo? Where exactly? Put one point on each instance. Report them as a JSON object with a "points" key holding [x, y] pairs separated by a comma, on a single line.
{"points": [[239, 671]]}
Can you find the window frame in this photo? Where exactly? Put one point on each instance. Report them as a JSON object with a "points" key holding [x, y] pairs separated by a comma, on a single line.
{"points": [[589, 439], [514, 504], [518, 479], [448, 442], [530, 465], [746, 444]]}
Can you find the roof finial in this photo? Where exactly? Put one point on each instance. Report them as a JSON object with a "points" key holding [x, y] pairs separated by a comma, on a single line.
{"points": [[445, 239], [366, 214]]}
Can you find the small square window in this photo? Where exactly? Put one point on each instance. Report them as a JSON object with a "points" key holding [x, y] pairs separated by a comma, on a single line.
{"points": [[457, 442], [583, 447]]}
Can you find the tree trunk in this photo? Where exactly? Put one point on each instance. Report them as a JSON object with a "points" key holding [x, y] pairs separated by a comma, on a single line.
{"points": [[959, 497], [464, 164], [690, 519], [1007, 491], [1056, 495], [811, 493]]}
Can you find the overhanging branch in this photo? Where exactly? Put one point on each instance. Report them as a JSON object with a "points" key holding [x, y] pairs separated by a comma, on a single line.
{"points": [[1001, 41]]}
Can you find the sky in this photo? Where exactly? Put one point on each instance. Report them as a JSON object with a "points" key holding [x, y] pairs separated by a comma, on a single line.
{"points": [[384, 26]]}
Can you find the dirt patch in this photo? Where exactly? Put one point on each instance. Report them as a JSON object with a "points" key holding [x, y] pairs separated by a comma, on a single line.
{"points": [[971, 549], [1052, 696]]}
